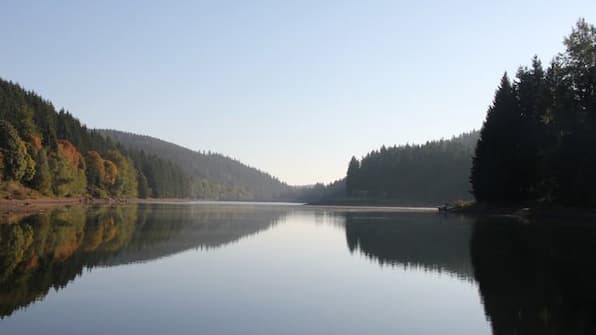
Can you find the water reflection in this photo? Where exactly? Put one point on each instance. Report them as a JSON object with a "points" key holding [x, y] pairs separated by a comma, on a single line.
{"points": [[48, 250], [431, 242], [537, 277], [532, 277]]}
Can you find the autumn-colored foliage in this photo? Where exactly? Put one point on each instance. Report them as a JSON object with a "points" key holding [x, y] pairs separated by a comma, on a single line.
{"points": [[51, 153], [36, 142], [71, 154], [41, 251], [68, 168]]}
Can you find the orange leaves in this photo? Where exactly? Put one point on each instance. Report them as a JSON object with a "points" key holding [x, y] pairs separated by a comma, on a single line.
{"points": [[101, 172], [71, 154], [36, 142]]}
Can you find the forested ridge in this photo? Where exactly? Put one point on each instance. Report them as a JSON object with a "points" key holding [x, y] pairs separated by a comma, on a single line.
{"points": [[218, 176], [45, 152]]}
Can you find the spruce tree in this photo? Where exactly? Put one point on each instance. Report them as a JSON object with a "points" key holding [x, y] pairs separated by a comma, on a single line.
{"points": [[578, 183], [352, 176], [530, 89], [494, 165]]}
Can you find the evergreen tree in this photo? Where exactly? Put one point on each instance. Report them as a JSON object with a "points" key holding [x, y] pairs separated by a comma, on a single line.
{"points": [[530, 89], [550, 134], [143, 186], [352, 176], [495, 169], [578, 64]]}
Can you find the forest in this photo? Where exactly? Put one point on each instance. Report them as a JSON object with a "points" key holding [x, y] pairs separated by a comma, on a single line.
{"points": [[537, 143], [44, 152], [214, 175], [534, 148], [427, 174], [50, 153]]}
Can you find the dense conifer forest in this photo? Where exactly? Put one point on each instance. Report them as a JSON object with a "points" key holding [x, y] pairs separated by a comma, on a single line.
{"points": [[535, 146], [537, 143], [431, 173]]}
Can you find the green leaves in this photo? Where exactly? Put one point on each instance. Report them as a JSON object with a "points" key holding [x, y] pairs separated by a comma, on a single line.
{"points": [[17, 163]]}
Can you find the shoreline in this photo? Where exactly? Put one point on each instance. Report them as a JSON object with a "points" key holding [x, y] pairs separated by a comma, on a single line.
{"points": [[533, 212], [36, 205], [373, 203], [31, 206]]}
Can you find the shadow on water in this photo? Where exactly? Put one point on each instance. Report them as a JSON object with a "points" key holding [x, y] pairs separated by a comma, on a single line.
{"points": [[50, 250]]}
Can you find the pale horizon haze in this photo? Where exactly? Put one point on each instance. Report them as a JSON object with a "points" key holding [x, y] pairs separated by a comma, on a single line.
{"points": [[292, 88]]}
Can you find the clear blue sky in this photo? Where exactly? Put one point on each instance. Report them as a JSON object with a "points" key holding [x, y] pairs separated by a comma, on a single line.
{"points": [[294, 88]]}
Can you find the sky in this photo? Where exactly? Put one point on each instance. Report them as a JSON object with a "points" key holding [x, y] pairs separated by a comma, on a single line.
{"points": [[294, 88]]}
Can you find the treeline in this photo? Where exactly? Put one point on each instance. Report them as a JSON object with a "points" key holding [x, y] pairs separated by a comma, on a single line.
{"points": [[318, 193], [431, 173], [54, 154], [537, 143]]}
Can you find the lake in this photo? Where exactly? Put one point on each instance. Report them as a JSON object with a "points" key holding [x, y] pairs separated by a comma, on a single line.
{"points": [[285, 269]]}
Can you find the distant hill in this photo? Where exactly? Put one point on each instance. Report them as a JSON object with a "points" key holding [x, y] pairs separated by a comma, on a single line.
{"points": [[238, 180]]}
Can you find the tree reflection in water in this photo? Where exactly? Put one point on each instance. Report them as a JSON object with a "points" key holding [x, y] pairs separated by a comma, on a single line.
{"points": [[49, 250]]}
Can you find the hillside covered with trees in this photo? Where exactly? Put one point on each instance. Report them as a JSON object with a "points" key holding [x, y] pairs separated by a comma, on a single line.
{"points": [[53, 154], [537, 143], [49, 153], [427, 174], [216, 175]]}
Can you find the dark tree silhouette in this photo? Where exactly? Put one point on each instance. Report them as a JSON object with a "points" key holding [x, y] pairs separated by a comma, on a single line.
{"points": [[536, 145]]}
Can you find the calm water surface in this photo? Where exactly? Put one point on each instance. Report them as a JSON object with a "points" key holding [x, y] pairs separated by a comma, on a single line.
{"points": [[270, 269]]}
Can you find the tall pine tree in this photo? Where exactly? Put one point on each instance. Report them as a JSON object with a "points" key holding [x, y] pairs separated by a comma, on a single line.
{"points": [[495, 169]]}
